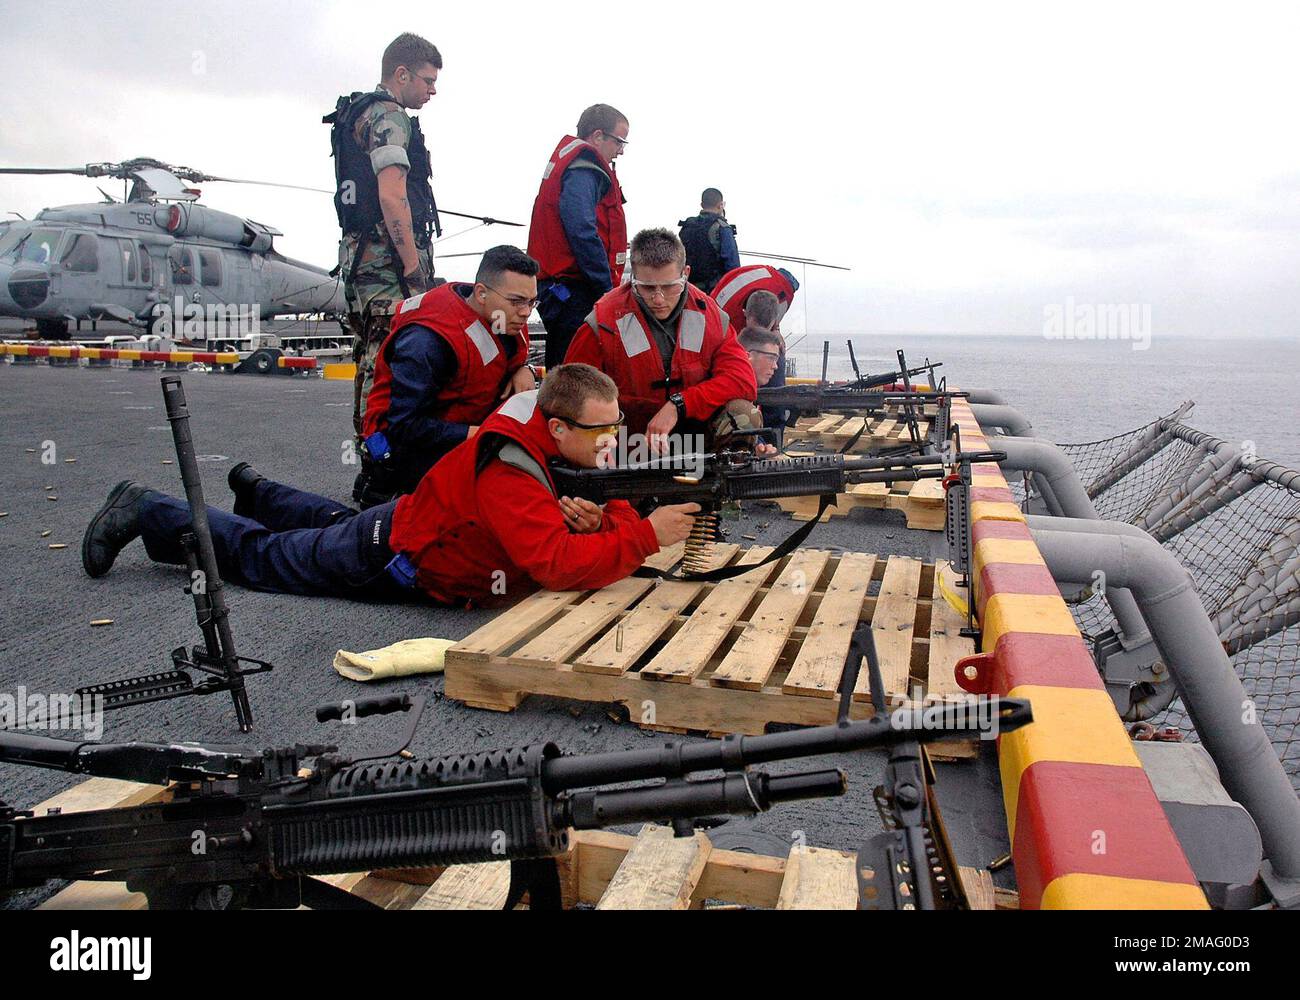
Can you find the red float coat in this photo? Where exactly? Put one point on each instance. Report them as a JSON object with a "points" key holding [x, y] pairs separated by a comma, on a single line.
{"points": [[547, 242], [498, 534], [709, 367], [481, 366], [736, 286]]}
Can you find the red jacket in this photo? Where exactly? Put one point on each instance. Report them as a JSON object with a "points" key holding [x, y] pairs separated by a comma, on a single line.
{"points": [[736, 286], [709, 367], [547, 242], [499, 534], [481, 366]]}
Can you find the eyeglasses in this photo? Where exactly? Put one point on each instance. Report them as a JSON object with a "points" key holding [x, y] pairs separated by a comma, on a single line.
{"points": [[647, 290], [596, 430], [429, 81], [767, 354], [516, 301], [618, 139]]}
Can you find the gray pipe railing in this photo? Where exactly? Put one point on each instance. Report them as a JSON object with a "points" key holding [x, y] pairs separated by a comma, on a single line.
{"points": [[1007, 417], [1211, 691], [1068, 499]]}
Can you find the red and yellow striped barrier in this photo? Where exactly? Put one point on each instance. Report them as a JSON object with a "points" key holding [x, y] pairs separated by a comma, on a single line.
{"points": [[1086, 828], [109, 354], [76, 352]]}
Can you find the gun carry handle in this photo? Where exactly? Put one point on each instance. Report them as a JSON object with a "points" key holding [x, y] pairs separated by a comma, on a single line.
{"points": [[363, 707]]}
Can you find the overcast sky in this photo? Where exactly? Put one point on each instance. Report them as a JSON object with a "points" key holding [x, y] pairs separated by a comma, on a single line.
{"points": [[972, 163]]}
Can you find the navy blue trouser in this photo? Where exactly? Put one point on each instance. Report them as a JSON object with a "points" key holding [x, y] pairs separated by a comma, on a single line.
{"points": [[295, 543], [563, 305]]}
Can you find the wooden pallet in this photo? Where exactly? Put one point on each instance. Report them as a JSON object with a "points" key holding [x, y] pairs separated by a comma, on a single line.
{"points": [[610, 871], [833, 430], [922, 501], [764, 647]]}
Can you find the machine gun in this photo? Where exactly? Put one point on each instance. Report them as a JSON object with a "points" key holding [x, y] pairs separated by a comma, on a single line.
{"points": [[714, 479], [861, 381], [244, 828], [843, 398]]}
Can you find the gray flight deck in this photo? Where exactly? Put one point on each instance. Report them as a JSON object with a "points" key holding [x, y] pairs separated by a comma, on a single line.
{"points": [[296, 429]]}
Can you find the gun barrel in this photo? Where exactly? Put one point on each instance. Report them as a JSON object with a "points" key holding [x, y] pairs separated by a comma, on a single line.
{"points": [[39, 751], [737, 794], [958, 720], [209, 600]]}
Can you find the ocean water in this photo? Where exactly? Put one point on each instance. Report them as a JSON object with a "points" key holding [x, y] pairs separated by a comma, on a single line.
{"points": [[1077, 391]]}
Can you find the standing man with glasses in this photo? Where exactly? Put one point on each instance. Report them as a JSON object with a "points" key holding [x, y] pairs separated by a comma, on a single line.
{"points": [[670, 349], [453, 355], [578, 233], [384, 199]]}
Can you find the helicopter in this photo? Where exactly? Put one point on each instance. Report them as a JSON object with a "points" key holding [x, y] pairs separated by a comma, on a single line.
{"points": [[155, 259]]}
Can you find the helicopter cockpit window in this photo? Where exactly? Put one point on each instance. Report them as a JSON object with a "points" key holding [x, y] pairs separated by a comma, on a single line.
{"points": [[83, 255], [146, 267], [128, 261], [182, 266], [210, 271], [36, 246]]}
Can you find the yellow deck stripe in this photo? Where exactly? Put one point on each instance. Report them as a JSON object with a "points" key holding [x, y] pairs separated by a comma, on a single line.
{"points": [[1107, 892], [1038, 613], [995, 510]]}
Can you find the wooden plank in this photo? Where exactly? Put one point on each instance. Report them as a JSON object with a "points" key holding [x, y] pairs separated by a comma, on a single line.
{"points": [[849, 427], [628, 639], [660, 872], [927, 493], [754, 654], [816, 670], [892, 624], [559, 642], [696, 704], [385, 893], [947, 645], [819, 879], [101, 793], [871, 495], [666, 559], [882, 431], [824, 425], [469, 887], [688, 652], [512, 625], [978, 885]]}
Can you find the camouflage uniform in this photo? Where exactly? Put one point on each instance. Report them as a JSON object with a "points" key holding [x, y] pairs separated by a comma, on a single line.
{"points": [[384, 131]]}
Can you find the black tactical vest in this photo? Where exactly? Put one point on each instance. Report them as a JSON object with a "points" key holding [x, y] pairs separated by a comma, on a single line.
{"points": [[702, 241], [361, 213]]}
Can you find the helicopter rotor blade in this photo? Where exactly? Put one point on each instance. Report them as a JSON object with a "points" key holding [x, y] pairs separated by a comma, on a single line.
{"points": [[777, 256], [807, 261], [201, 178], [487, 220], [44, 170]]}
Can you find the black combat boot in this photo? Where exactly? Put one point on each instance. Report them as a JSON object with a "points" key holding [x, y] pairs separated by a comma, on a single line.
{"points": [[243, 480], [116, 524]]}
